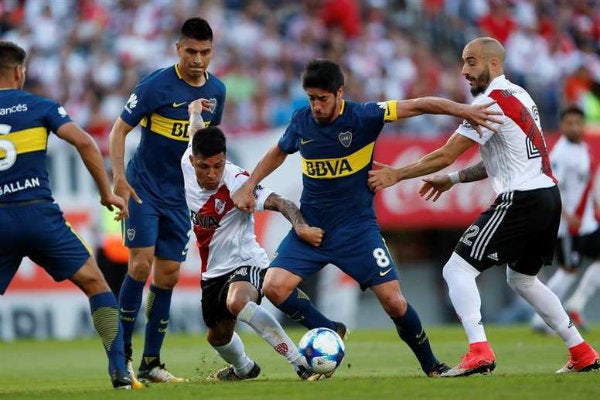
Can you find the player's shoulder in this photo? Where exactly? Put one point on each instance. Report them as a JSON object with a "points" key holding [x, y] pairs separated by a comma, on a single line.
{"points": [[214, 80], [159, 77], [233, 172]]}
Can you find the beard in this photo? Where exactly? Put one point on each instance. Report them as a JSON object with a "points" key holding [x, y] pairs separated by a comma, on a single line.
{"points": [[481, 83]]}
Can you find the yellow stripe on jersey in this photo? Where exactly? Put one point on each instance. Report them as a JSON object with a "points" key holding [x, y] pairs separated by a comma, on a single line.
{"points": [[391, 111], [176, 129], [29, 140], [328, 168]]}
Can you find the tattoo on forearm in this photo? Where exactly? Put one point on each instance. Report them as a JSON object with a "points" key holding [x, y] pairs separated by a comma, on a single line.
{"points": [[473, 173], [287, 208]]}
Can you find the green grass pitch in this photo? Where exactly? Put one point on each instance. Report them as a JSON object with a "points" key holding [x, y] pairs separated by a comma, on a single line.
{"points": [[377, 366]]}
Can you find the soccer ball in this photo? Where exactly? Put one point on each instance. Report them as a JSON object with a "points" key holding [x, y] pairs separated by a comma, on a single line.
{"points": [[323, 350]]}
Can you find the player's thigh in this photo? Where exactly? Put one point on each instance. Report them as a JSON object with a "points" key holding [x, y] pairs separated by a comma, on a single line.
{"points": [[141, 227], [590, 245], [362, 253], [300, 258], [15, 241], [519, 228], [215, 292], [56, 247], [174, 230], [214, 301]]}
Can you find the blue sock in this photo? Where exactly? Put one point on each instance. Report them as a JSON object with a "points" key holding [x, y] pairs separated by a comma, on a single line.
{"points": [[299, 308], [411, 331], [130, 300], [105, 316], [157, 314]]}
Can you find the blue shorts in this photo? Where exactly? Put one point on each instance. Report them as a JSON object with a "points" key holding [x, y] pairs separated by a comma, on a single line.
{"points": [[38, 230], [167, 229], [357, 248]]}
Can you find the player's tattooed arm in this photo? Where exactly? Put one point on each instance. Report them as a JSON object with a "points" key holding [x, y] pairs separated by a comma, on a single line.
{"points": [[310, 234], [473, 173]]}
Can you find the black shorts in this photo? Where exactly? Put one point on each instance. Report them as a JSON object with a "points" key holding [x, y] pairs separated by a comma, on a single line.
{"points": [[519, 228], [214, 293], [571, 250]]}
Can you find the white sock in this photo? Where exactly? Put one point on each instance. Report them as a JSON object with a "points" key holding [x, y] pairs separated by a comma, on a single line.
{"points": [[545, 303], [464, 295], [590, 282], [234, 353], [561, 282], [270, 330]]}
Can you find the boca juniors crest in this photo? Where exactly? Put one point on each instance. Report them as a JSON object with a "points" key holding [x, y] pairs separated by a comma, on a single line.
{"points": [[345, 138]]}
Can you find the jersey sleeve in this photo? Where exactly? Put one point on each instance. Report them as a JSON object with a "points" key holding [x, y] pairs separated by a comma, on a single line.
{"points": [[260, 192], [139, 104], [288, 143], [56, 116], [467, 130]]}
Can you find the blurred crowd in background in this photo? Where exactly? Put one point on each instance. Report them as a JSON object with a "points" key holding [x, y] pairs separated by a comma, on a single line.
{"points": [[88, 54]]}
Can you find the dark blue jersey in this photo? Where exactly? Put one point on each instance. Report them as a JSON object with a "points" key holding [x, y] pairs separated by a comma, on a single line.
{"points": [[25, 123], [335, 159], [160, 104]]}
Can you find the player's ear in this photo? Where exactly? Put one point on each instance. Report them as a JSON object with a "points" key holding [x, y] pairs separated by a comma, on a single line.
{"points": [[192, 159]]}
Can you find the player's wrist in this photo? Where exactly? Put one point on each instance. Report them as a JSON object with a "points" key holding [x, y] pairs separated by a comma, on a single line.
{"points": [[454, 177]]}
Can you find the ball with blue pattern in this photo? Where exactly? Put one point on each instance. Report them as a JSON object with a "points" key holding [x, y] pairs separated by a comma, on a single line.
{"points": [[323, 349]]}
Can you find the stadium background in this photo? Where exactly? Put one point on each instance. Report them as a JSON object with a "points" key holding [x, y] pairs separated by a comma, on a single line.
{"points": [[88, 55]]}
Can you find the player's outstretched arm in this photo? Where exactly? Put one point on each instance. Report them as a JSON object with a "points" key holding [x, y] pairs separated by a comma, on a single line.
{"points": [[116, 147], [92, 158], [478, 115], [386, 176], [434, 186], [243, 198], [310, 234]]}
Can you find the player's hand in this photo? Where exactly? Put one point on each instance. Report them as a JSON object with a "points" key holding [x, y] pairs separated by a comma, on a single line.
{"points": [[243, 198], [434, 186], [310, 234], [112, 201], [384, 176], [200, 105], [125, 191], [480, 115], [573, 221]]}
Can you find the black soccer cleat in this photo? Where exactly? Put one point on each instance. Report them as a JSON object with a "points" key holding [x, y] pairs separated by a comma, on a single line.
{"points": [[437, 370], [120, 379], [228, 374]]}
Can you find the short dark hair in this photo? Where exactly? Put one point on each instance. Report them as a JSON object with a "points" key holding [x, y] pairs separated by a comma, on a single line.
{"points": [[11, 55], [571, 110], [209, 141], [323, 74], [196, 28]]}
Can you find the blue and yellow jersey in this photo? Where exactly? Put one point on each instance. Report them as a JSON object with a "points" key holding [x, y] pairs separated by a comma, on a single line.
{"points": [[160, 104], [336, 158], [25, 123]]}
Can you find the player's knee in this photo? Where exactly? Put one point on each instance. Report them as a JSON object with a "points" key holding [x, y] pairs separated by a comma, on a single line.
{"points": [[456, 266], [394, 304], [236, 304], [519, 282], [275, 293], [218, 337]]}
